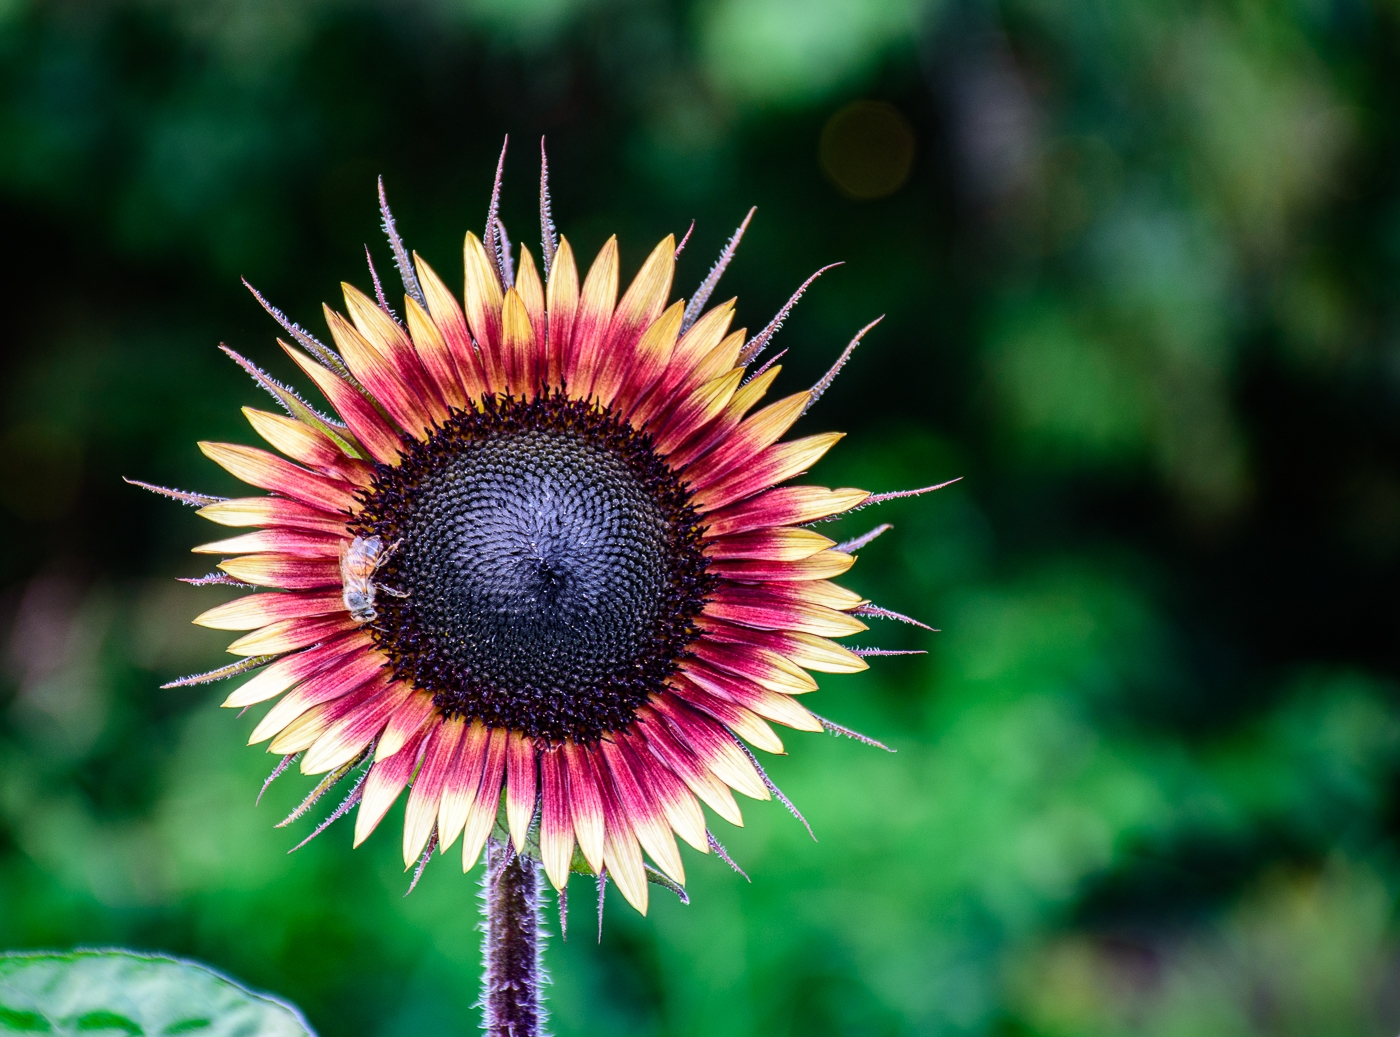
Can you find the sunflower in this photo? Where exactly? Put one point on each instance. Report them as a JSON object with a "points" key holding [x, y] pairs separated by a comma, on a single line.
{"points": [[538, 563]]}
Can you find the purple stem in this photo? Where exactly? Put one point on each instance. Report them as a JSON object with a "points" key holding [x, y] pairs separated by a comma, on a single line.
{"points": [[513, 979]]}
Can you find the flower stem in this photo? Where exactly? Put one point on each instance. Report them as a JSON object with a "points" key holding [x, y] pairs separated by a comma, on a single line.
{"points": [[511, 984]]}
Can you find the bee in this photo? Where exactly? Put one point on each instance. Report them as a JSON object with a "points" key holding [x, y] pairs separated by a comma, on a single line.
{"points": [[359, 561]]}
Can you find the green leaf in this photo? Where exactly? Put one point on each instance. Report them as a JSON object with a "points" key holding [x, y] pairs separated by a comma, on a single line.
{"points": [[112, 993]]}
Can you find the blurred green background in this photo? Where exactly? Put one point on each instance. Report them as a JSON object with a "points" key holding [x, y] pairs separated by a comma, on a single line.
{"points": [[1141, 265]]}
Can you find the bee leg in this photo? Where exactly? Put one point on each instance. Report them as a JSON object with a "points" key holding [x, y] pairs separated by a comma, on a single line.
{"points": [[394, 591]]}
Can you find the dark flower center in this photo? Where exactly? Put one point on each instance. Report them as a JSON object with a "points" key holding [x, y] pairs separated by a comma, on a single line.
{"points": [[550, 564]]}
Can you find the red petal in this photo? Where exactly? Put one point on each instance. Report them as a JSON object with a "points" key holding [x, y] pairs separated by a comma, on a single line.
{"points": [[520, 787], [257, 610], [279, 675], [421, 813], [377, 373], [643, 813], [561, 304], [393, 344], [291, 634], [267, 471], [448, 317], [784, 506], [556, 826], [284, 571], [386, 780], [273, 511], [585, 803], [359, 414], [350, 672], [310, 446]]}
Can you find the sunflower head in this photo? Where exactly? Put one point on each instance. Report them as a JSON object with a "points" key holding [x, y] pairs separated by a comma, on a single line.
{"points": [[539, 562]]}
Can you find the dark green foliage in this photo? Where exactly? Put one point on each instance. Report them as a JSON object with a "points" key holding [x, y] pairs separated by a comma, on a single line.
{"points": [[1141, 286]]}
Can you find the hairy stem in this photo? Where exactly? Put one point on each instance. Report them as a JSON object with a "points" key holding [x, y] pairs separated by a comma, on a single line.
{"points": [[511, 992]]}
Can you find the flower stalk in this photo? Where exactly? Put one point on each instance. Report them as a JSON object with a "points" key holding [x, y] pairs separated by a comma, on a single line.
{"points": [[513, 973]]}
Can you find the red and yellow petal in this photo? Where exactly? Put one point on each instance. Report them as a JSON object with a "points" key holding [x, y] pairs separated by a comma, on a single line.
{"points": [[386, 780], [759, 607], [585, 803], [825, 565], [360, 415], [273, 511], [276, 541], [486, 804], [463, 778], [258, 610], [391, 342], [421, 814], [281, 674], [348, 673], [531, 291], [591, 322], [678, 759], [377, 372], [449, 319], [483, 298], [287, 635], [639, 307], [521, 769], [347, 736], [707, 437], [556, 821], [267, 471], [803, 651], [286, 571], [783, 506], [753, 434], [518, 347], [622, 855], [637, 802], [561, 307], [713, 745], [679, 805], [778, 463], [310, 446]]}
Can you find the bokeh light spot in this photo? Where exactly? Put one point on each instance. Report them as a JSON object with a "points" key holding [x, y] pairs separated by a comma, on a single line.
{"points": [[867, 149]]}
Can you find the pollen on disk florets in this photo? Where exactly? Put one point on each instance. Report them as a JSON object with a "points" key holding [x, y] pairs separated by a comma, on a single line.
{"points": [[549, 566]]}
